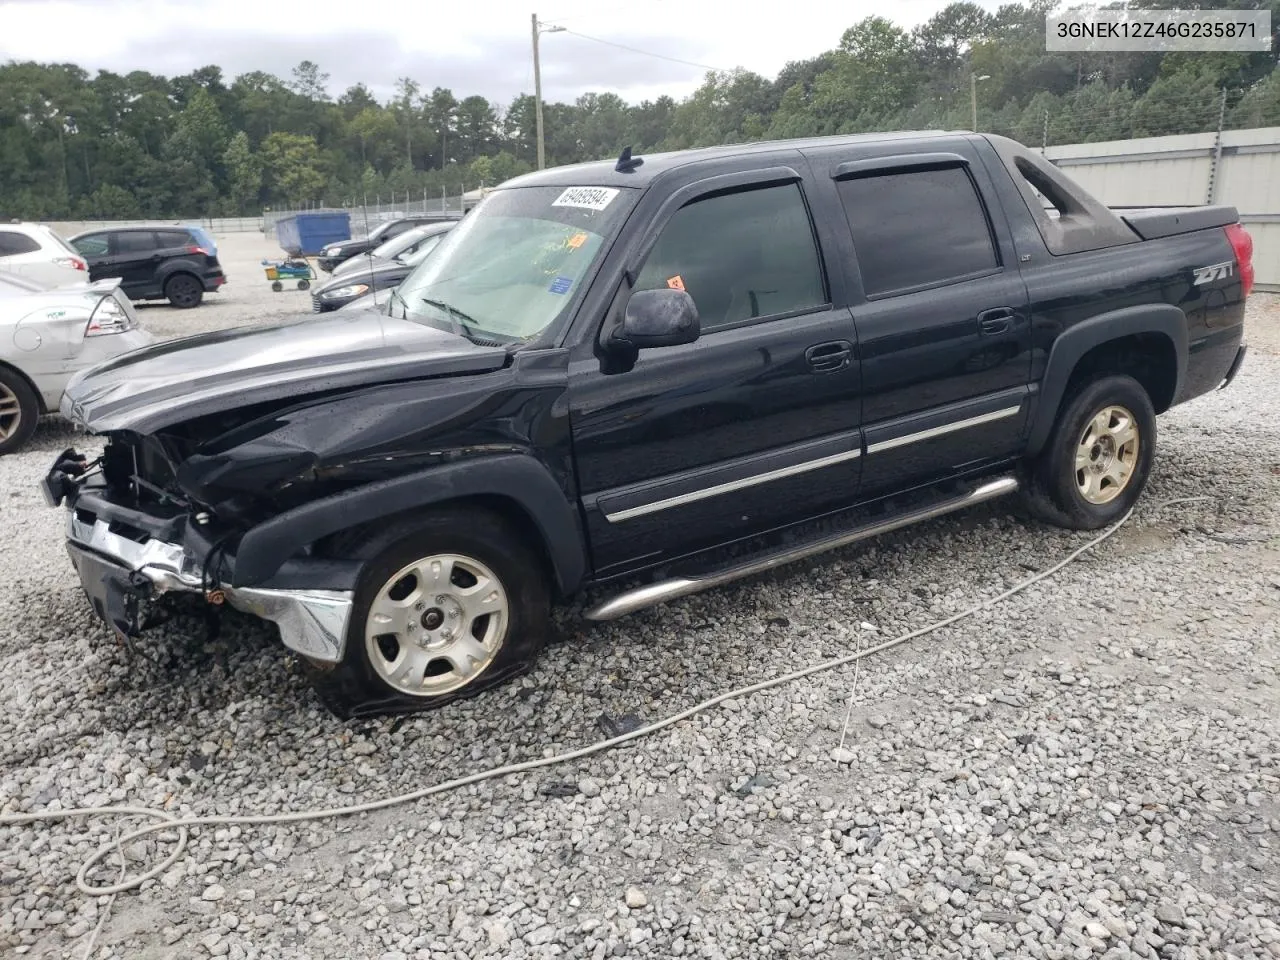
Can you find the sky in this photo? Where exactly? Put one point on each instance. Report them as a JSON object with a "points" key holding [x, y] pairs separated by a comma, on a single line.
{"points": [[479, 47]]}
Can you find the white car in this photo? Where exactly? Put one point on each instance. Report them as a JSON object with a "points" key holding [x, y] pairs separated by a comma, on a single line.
{"points": [[33, 250], [49, 334]]}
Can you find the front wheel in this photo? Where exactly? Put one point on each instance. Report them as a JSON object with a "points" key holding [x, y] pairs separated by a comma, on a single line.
{"points": [[1098, 458], [453, 608]]}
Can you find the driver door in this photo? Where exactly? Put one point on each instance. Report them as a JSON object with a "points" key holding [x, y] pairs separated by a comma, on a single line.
{"points": [[753, 425]]}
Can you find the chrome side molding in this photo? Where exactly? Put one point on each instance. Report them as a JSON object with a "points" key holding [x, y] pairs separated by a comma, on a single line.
{"points": [[655, 593]]}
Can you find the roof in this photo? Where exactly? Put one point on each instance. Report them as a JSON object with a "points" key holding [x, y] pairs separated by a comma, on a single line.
{"points": [[603, 172], [136, 228]]}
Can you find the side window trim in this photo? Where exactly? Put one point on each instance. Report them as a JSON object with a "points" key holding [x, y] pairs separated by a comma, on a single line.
{"points": [[898, 163], [702, 189], [912, 163], [734, 183]]}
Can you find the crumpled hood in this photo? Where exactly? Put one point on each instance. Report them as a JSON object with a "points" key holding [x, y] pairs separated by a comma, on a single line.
{"points": [[178, 380]]}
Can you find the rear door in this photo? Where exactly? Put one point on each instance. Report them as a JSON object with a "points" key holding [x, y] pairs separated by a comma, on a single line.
{"points": [[942, 319], [753, 425], [135, 259]]}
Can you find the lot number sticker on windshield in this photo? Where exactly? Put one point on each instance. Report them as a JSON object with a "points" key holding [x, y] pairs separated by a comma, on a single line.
{"points": [[586, 198]]}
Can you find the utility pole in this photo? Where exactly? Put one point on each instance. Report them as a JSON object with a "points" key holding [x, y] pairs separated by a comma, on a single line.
{"points": [[1216, 162], [537, 87], [973, 96]]}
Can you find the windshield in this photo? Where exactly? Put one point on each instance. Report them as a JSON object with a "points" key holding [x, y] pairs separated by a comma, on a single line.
{"points": [[511, 266]]}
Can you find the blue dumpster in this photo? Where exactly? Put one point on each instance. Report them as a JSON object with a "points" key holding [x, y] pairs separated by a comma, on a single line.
{"points": [[305, 234]]}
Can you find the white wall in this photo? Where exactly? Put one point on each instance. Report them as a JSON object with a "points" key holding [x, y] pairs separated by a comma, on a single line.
{"points": [[1180, 171]]}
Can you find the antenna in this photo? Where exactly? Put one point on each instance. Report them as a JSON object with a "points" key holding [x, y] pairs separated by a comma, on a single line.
{"points": [[369, 250], [627, 163]]}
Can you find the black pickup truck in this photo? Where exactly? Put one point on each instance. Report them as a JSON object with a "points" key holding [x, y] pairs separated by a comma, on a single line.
{"points": [[651, 377]]}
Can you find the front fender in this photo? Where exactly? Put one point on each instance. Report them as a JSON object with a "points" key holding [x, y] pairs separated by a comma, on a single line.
{"points": [[515, 477], [1074, 342]]}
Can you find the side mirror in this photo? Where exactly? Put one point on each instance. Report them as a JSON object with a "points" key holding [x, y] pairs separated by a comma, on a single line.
{"points": [[658, 318]]}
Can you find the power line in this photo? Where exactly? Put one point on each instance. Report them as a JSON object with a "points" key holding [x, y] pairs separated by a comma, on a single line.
{"points": [[643, 53]]}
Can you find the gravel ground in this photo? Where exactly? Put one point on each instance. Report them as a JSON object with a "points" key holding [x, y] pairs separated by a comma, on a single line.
{"points": [[1091, 768]]}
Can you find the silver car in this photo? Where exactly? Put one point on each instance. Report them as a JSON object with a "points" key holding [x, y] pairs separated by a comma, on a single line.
{"points": [[49, 334]]}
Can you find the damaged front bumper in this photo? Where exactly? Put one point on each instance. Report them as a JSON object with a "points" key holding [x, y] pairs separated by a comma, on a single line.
{"points": [[122, 564]]}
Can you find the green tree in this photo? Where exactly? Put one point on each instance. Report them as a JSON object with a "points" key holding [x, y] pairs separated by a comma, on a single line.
{"points": [[440, 108], [310, 82], [292, 168], [244, 173], [407, 107]]}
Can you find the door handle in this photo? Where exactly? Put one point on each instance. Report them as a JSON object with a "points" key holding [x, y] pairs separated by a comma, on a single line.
{"points": [[996, 320], [829, 357]]}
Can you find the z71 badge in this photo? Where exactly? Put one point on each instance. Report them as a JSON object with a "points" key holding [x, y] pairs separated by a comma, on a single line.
{"points": [[1215, 272]]}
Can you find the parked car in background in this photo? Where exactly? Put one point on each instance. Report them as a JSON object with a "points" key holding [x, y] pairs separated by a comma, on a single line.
{"points": [[399, 247], [47, 334], [178, 264], [343, 250], [34, 251], [376, 271]]}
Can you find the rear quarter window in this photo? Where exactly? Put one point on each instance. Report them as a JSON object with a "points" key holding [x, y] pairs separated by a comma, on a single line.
{"points": [[13, 244], [174, 238]]}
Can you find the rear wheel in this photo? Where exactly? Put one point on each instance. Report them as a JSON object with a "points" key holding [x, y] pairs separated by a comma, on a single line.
{"points": [[1098, 459], [456, 606], [183, 291], [19, 411]]}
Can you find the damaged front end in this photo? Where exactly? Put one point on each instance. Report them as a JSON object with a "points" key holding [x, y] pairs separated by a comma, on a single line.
{"points": [[228, 456], [134, 542]]}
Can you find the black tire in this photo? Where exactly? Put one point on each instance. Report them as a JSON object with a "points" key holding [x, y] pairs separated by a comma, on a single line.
{"points": [[304, 284], [19, 410], [183, 291], [356, 687], [1052, 484]]}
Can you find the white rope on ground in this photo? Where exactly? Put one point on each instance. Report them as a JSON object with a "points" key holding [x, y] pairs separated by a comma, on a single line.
{"points": [[167, 821]]}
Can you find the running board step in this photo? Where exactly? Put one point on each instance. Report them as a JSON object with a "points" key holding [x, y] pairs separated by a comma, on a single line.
{"points": [[655, 593]]}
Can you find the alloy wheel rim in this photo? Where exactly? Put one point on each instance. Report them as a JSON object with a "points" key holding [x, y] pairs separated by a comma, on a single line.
{"points": [[10, 413], [436, 624], [1107, 454]]}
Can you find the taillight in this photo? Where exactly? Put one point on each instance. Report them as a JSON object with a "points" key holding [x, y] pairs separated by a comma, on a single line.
{"points": [[1242, 246], [74, 262], [108, 317], [200, 250]]}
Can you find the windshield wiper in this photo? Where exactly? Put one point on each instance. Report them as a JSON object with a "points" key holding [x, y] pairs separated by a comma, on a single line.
{"points": [[461, 322]]}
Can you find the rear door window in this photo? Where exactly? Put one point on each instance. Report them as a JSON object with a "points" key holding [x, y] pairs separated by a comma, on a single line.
{"points": [[742, 256], [135, 241], [917, 228]]}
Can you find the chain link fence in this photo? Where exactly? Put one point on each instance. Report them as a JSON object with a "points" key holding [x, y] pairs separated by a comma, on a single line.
{"points": [[1118, 115], [367, 213]]}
